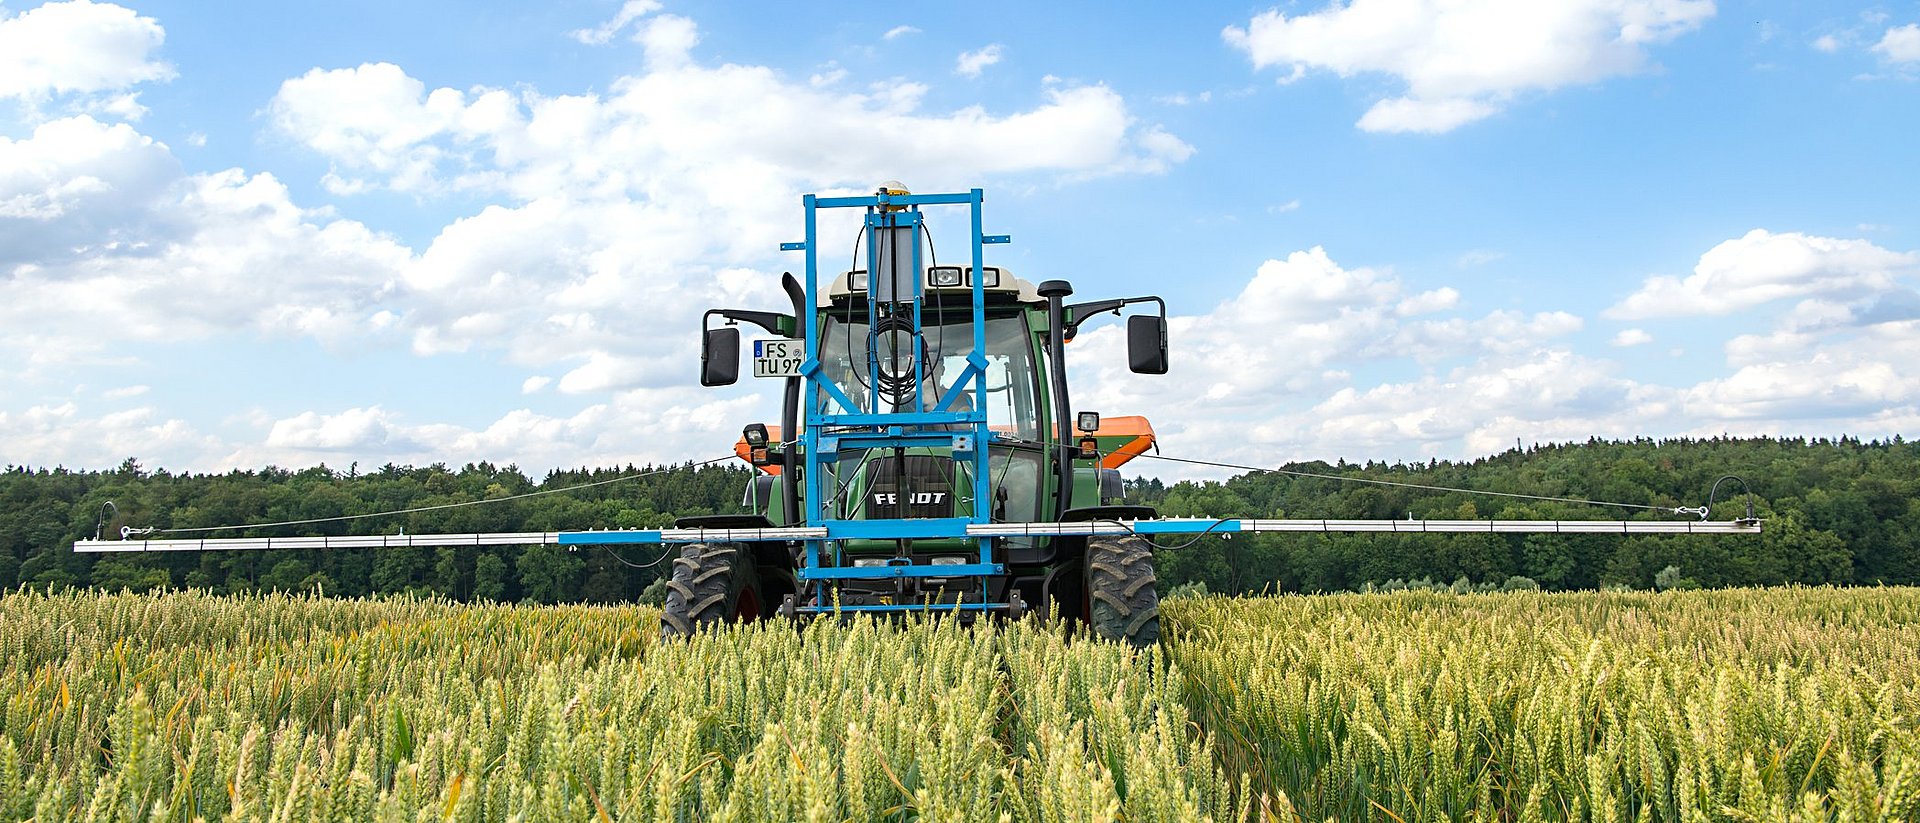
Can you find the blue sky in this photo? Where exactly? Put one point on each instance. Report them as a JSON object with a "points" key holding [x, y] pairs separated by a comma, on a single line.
{"points": [[259, 234]]}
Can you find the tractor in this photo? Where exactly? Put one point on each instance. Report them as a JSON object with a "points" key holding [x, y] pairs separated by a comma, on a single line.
{"points": [[924, 404]]}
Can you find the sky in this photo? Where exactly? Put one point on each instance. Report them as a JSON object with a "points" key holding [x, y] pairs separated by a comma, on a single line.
{"points": [[240, 235]]}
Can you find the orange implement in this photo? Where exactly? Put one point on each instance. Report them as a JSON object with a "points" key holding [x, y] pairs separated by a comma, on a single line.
{"points": [[1121, 439]]}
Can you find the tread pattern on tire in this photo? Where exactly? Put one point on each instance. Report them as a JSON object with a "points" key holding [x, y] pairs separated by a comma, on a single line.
{"points": [[1124, 602], [704, 587]]}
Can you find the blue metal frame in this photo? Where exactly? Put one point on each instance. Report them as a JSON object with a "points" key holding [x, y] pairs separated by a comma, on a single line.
{"points": [[874, 428]]}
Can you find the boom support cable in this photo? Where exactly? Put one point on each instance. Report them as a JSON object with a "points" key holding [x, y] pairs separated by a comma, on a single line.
{"points": [[1424, 486], [126, 531]]}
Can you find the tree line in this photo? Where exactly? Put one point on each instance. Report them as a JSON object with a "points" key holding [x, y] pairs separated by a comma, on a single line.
{"points": [[1839, 511]]}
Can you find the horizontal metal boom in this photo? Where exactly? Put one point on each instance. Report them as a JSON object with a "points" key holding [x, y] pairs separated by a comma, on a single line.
{"points": [[931, 529]]}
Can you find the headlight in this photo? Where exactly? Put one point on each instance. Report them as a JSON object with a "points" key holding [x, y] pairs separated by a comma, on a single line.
{"points": [[856, 281], [989, 277], [944, 277]]}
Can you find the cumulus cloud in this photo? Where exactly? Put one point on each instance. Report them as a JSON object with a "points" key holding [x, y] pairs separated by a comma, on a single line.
{"points": [[1426, 116], [674, 420], [605, 32], [363, 430], [1900, 44], [106, 239], [1842, 383], [971, 63], [67, 434], [1631, 337], [78, 47], [1464, 61], [1761, 267], [615, 215], [610, 205], [1252, 369], [697, 128], [1310, 360]]}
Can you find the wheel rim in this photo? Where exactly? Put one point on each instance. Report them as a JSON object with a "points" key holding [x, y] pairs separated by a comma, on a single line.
{"points": [[749, 606]]}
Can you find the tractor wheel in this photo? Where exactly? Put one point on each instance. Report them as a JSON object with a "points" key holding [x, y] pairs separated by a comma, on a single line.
{"points": [[712, 583], [1122, 601]]}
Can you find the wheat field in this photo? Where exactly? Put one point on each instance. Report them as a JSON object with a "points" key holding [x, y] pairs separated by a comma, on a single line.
{"points": [[1785, 704]]}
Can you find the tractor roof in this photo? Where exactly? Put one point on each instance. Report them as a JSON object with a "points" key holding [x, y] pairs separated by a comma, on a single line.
{"points": [[1001, 285]]}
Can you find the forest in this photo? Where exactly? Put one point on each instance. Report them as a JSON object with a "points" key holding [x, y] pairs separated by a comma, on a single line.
{"points": [[1837, 511]]}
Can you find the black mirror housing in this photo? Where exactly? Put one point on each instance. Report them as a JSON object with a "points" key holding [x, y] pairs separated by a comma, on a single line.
{"points": [[720, 357], [1147, 344]]}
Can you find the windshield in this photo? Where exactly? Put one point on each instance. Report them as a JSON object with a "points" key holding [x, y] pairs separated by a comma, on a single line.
{"points": [[1013, 405]]}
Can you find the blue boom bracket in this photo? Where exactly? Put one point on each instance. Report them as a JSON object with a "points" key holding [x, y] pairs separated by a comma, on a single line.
{"points": [[893, 231]]}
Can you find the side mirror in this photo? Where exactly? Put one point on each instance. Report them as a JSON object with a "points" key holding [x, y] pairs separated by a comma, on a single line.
{"points": [[720, 356], [1147, 344]]}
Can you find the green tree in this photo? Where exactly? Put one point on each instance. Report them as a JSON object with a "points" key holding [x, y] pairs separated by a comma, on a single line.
{"points": [[489, 578], [548, 574]]}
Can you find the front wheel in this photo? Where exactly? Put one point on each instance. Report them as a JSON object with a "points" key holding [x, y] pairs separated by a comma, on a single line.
{"points": [[712, 583], [1122, 598]]}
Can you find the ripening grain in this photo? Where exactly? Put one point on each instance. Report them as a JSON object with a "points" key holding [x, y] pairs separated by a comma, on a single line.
{"points": [[187, 706], [1799, 704], [1741, 705]]}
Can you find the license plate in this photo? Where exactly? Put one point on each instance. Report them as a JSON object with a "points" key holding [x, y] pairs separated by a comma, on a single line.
{"points": [[778, 357]]}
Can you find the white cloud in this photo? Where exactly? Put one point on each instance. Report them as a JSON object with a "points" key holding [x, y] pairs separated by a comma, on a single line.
{"points": [[1428, 302], [363, 430], [534, 384], [1403, 114], [1463, 61], [611, 201], [1762, 267], [1900, 44], [106, 239], [78, 47], [1293, 367], [125, 392], [605, 32], [1631, 337], [667, 129], [971, 63], [1251, 370], [669, 40], [62, 434], [1826, 385], [677, 424], [898, 32], [1826, 43], [603, 238]]}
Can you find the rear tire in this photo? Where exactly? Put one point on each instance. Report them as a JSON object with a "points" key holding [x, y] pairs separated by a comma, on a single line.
{"points": [[1123, 599], [712, 583]]}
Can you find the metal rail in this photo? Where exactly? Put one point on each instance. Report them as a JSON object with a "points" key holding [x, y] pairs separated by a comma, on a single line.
{"points": [[370, 541], [933, 529]]}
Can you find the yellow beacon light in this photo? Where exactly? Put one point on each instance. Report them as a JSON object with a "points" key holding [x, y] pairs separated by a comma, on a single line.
{"points": [[894, 188]]}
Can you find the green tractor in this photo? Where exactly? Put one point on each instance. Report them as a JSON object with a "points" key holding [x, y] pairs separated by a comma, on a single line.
{"points": [[927, 458]]}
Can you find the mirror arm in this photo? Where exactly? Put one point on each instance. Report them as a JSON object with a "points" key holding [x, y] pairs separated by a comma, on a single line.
{"points": [[1081, 312], [771, 321]]}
